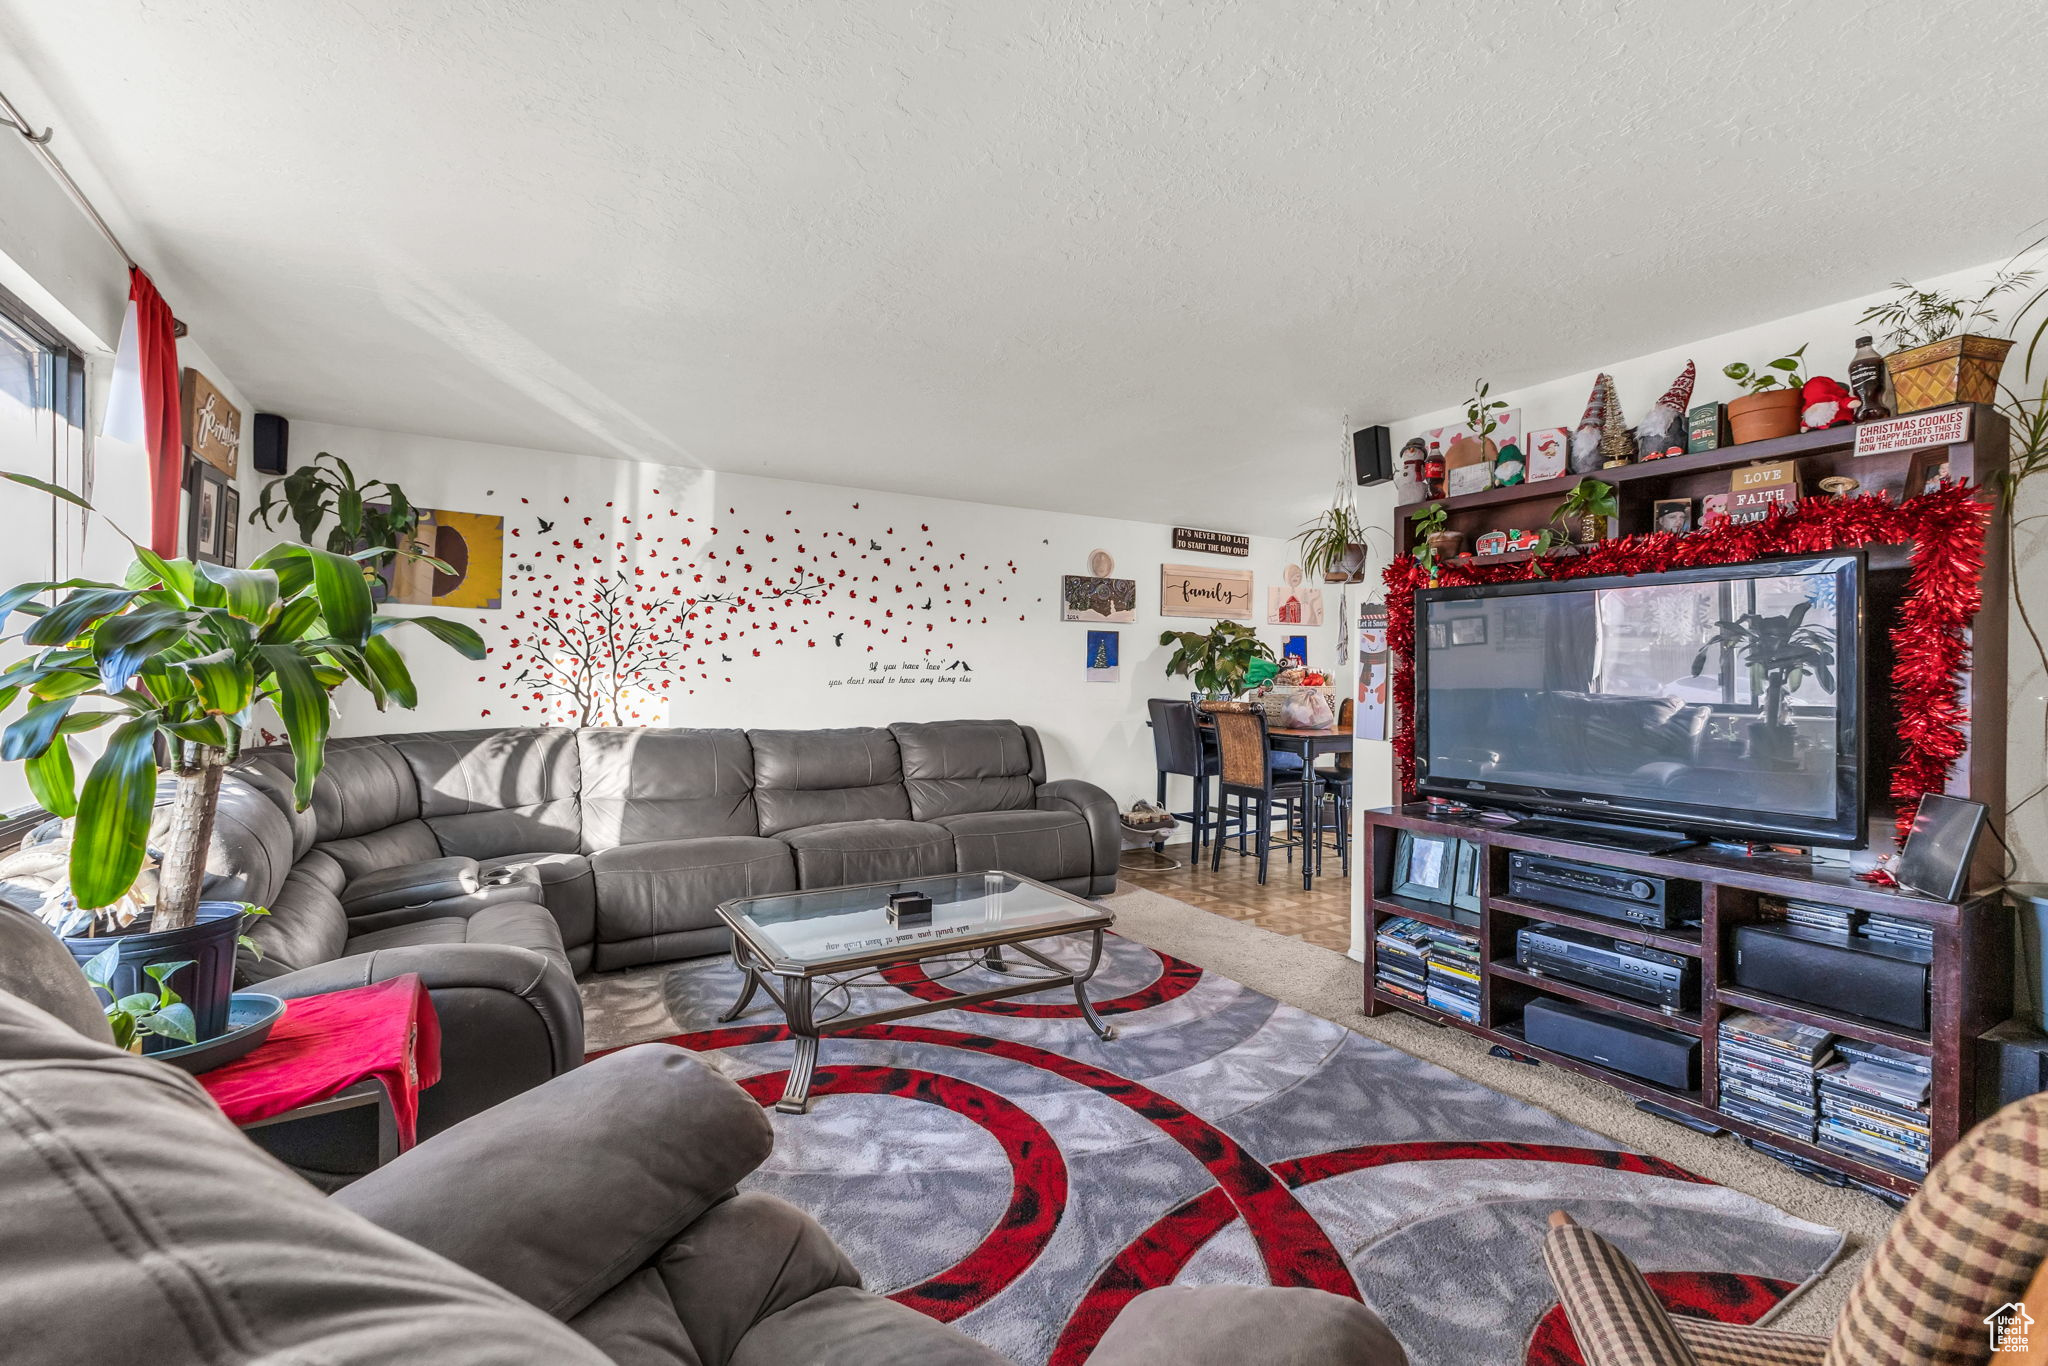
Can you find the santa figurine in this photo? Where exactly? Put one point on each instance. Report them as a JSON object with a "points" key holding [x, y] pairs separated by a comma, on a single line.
{"points": [[1825, 403], [1662, 433], [1585, 453]]}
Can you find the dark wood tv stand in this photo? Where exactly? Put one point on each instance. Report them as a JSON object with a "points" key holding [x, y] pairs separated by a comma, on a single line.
{"points": [[1971, 986]]}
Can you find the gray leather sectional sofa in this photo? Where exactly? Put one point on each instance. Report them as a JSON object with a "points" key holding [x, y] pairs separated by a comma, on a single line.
{"points": [[499, 864]]}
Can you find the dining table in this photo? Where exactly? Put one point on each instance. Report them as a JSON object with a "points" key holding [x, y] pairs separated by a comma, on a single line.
{"points": [[1310, 745]]}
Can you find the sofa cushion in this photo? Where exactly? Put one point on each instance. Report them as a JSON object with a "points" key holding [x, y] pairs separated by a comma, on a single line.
{"points": [[1035, 844], [848, 852], [365, 785], [820, 777], [668, 886], [564, 887], [306, 924], [252, 848], [491, 792], [519, 924], [950, 767], [644, 785], [373, 851]]}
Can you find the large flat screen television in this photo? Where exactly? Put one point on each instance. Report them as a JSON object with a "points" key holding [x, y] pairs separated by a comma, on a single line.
{"points": [[1721, 702]]}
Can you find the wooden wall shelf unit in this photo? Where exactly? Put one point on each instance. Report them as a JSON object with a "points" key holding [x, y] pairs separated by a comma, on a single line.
{"points": [[1970, 983], [1978, 459]]}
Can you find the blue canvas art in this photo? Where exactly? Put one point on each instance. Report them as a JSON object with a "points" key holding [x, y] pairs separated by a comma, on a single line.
{"points": [[1102, 656]]}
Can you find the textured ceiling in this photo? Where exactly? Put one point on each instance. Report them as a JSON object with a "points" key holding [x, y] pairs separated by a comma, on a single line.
{"points": [[1120, 257]]}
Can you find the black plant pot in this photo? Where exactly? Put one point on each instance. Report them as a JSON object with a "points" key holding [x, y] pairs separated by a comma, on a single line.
{"points": [[205, 986]]}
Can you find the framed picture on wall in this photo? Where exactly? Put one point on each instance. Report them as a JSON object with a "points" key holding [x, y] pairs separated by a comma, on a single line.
{"points": [[230, 527], [206, 490]]}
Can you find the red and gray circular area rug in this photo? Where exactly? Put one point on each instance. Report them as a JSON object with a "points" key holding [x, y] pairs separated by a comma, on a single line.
{"points": [[1002, 1169]]}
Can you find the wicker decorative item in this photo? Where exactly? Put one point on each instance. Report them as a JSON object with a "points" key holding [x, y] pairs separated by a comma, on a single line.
{"points": [[1959, 370]]}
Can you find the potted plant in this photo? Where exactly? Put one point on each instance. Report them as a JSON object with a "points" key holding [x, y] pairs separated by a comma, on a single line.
{"points": [[376, 514], [1779, 652], [181, 654], [1333, 545], [1769, 405], [156, 1012], [1438, 540], [1476, 447], [1938, 354], [1217, 660], [1585, 514]]}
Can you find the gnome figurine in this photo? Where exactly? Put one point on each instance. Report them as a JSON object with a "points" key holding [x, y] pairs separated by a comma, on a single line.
{"points": [[1662, 433], [1585, 453], [1617, 442]]}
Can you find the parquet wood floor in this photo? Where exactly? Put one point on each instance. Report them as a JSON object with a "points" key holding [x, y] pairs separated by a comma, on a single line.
{"points": [[1321, 916]]}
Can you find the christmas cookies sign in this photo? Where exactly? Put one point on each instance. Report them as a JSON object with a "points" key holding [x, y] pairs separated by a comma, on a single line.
{"points": [[1942, 427]]}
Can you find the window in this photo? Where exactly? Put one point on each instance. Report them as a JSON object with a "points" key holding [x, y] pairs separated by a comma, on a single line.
{"points": [[42, 434]]}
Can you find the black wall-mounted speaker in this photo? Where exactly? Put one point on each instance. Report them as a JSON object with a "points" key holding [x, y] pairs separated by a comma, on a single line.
{"points": [[1373, 453], [273, 436]]}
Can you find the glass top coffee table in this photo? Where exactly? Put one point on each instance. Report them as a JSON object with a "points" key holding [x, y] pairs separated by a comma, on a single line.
{"points": [[806, 948]]}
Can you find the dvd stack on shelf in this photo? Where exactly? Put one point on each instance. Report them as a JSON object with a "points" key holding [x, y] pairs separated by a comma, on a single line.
{"points": [[1454, 974], [1813, 915], [1429, 966], [1893, 930], [1873, 1107], [1769, 1072], [1401, 959]]}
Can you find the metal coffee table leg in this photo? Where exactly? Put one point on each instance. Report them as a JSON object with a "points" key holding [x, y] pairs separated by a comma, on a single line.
{"points": [[1107, 1032], [751, 985], [796, 1093]]}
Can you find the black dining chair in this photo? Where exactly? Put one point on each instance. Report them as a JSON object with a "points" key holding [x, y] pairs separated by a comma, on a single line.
{"points": [[1179, 748], [1246, 778], [1335, 780]]}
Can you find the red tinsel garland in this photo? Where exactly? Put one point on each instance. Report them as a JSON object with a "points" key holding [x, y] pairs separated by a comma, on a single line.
{"points": [[1930, 640]]}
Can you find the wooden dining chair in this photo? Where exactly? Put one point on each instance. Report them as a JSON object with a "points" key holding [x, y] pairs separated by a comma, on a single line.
{"points": [[1246, 779]]}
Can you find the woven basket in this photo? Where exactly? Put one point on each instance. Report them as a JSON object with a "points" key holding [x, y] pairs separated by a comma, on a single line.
{"points": [[1275, 699]]}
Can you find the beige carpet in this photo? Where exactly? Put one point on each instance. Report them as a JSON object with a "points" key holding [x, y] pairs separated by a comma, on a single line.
{"points": [[630, 1007], [1326, 983]]}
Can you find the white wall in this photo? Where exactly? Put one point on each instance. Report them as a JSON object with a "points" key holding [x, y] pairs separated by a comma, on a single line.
{"points": [[1829, 335], [1025, 662]]}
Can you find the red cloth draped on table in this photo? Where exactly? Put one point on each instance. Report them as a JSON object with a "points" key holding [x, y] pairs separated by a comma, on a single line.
{"points": [[328, 1043]]}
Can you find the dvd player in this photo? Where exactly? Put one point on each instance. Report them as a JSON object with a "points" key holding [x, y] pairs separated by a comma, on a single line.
{"points": [[1668, 981], [1613, 893]]}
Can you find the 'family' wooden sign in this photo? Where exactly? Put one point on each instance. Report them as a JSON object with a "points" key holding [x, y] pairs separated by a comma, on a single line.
{"points": [[1195, 591]]}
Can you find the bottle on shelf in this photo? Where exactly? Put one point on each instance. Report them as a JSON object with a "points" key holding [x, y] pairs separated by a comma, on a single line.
{"points": [[1866, 381], [1433, 472]]}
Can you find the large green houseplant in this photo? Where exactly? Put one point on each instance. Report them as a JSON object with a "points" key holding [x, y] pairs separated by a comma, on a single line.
{"points": [[1217, 660], [177, 656], [375, 514]]}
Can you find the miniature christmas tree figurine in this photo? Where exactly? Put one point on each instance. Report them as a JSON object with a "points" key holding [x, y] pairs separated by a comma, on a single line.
{"points": [[1617, 442], [1662, 433], [1585, 449]]}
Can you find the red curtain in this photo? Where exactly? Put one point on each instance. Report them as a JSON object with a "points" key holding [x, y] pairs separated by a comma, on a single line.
{"points": [[157, 351]]}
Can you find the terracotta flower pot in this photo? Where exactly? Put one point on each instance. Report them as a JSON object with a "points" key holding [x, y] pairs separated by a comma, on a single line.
{"points": [[1759, 417], [1958, 370]]}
